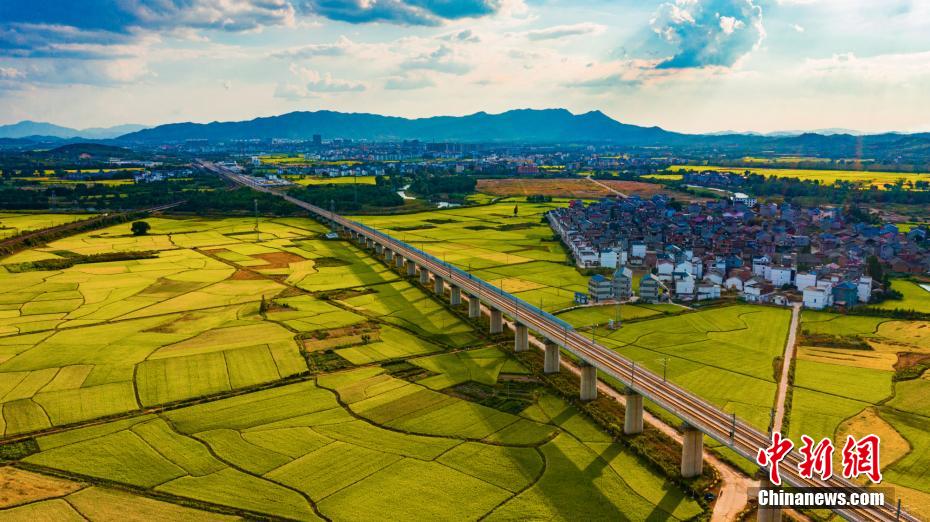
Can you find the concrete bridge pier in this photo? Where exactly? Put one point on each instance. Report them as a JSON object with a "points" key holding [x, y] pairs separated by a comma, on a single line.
{"points": [[411, 268], [455, 295], [588, 381], [633, 418], [439, 286], [497, 321], [521, 338], [474, 307], [552, 360], [379, 249], [768, 514], [388, 255], [399, 261], [692, 452], [424, 276], [369, 243]]}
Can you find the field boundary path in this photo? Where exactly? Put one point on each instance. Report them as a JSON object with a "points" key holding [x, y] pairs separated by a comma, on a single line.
{"points": [[790, 344], [607, 187], [713, 421]]}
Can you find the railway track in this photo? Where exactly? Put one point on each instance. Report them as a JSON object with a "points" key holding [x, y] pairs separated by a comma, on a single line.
{"points": [[725, 428]]}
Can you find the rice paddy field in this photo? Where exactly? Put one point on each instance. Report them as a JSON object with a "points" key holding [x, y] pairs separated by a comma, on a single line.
{"points": [[12, 224], [915, 296], [726, 355], [875, 179], [106, 338], [515, 253], [343, 180], [266, 372], [853, 391], [361, 443]]}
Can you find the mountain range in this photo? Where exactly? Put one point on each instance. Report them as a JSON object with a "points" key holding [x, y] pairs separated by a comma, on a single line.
{"points": [[516, 126], [522, 126], [29, 128]]}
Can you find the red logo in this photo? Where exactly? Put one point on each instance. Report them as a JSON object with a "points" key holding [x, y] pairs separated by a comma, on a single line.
{"points": [[860, 457], [817, 459], [773, 455]]}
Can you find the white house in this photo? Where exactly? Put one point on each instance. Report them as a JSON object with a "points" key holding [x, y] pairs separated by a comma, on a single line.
{"points": [[587, 257], [684, 285], [803, 280], [665, 269], [816, 298], [608, 258], [865, 289], [753, 290], [685, 267], [780, 276], [745, 199], [638, 249], [759, 266], [708, 291], [714, 276]]}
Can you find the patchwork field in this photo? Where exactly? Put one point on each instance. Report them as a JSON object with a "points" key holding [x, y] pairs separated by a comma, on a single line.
{"points": [[12, 224], [875, 179], [839, 391], [568, 188], [98, 339], [227, 325], [515, 253], [388, 445], [725, 355]]}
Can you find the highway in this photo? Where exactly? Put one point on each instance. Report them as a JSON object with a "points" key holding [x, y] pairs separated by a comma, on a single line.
{"points": [[696, 412]]}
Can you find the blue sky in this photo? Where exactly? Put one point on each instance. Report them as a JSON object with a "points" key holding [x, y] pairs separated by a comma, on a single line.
{"points": [[686, 65]]}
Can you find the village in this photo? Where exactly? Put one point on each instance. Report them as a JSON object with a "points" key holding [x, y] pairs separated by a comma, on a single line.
{"points": [[765, 253]]}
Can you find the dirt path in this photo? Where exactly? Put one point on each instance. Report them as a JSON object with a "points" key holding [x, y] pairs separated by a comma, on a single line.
{"points": [[734, 488], [779, 418], [607, 187]]}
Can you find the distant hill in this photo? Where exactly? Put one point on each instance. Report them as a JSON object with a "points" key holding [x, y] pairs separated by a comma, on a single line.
{"points": [[26, 129], [516, 126]]}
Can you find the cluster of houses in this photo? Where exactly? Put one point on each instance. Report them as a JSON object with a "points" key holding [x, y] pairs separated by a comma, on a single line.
{"points": [[766, 254]]}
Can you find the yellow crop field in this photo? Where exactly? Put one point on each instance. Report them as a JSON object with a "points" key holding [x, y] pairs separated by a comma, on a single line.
{"points": [[867, 178], [341, 180], [12, 224]]}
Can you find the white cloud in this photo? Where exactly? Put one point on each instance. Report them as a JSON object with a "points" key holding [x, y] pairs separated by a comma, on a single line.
{"points": [[798, 28], [708, 33], [566, 31], [11, 73], [310, 83]]}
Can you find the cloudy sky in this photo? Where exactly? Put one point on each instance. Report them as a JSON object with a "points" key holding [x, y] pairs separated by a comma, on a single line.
{"points": [[686, 65]]}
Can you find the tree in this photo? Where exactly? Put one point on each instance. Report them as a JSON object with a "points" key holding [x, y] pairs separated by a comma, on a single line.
{"points": [[140, 228], [875, 269]]}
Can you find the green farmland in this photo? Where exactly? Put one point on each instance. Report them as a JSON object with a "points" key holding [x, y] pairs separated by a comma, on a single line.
{"points": [[726, 355], [272, 373], [514, 253], [12, 224], [914, 296], [839, 391]]}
